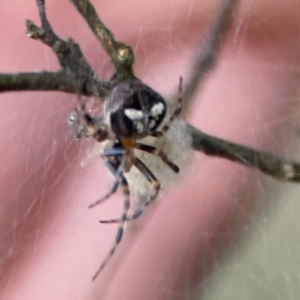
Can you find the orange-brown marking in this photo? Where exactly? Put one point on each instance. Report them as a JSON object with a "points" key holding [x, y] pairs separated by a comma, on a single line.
{"points": [[128, 143]]}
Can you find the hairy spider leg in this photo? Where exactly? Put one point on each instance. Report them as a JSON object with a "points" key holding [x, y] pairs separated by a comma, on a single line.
{"points": [[116, 169], [161, 154], [176, 113], [121, 221], [152, 179]]}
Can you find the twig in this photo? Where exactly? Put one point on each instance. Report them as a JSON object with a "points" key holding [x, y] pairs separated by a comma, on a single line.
{"points": [[205, 59], [53, 81], [68, 52], [265, 162], [121, 55], [76, 76]]}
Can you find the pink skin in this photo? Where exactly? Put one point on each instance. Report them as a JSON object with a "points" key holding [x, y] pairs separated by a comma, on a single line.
{"points": [[50, 242]]}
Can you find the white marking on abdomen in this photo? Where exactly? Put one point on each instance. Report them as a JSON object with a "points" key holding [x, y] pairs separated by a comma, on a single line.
{"points": [[133, 114], [157, 109]]}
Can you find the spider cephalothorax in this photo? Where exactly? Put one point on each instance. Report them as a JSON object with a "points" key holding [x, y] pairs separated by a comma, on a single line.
{"points": [[83, 125], [133, 111]]}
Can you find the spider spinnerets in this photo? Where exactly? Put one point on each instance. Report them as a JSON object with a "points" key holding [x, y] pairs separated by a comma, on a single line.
{"points": [[132, 112]]}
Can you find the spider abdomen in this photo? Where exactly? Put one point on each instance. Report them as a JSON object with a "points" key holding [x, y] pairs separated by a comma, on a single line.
{"points": [[134, 109]]}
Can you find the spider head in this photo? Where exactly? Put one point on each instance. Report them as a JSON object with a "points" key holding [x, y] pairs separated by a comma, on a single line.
{"points": [[82, 124], [134, 110]]}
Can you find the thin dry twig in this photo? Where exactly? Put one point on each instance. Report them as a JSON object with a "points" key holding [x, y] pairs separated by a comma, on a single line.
{"points": [[52, 81], [76, 75], [121, 55], [208, 53], [263, 161]]}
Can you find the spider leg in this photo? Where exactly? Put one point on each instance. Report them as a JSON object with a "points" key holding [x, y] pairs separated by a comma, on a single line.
{"points": [[116, 167], [175, 114], [152, 179], [121, 222], [155, 151]]}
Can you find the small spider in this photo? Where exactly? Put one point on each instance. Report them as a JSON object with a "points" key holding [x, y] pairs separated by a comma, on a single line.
{"points": [[132, 112]]}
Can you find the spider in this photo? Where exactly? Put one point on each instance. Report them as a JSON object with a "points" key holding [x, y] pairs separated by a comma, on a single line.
{"points": [[132, 112]]}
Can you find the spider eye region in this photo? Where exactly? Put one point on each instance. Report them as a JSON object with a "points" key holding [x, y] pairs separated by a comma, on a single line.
{"points": [[134, 110]]}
